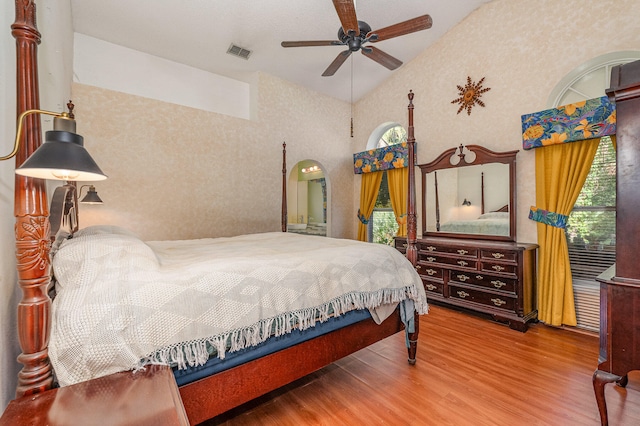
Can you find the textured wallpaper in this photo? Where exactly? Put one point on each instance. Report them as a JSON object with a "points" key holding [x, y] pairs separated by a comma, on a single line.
{"points": [[523, 48], [177, 172]]}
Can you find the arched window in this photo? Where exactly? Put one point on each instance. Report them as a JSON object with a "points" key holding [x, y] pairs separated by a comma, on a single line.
{"points": [[382, 226], [591, 230]]}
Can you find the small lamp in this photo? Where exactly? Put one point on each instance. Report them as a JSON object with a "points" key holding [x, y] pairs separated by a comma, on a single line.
{"points": [[466, 202], [62, 156], [91, 197]]}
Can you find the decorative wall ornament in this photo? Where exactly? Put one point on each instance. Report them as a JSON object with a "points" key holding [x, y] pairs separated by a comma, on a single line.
{"points": [[470, 95]]}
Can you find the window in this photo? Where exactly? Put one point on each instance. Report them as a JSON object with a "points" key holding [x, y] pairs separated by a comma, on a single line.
{"points": [[393, 136], [591, 230], [591, 234], [382, 225]]}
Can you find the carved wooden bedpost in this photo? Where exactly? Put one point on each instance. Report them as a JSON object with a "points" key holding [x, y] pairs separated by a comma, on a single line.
{"points": [[284, 187], [412, 251], [32, 217]]}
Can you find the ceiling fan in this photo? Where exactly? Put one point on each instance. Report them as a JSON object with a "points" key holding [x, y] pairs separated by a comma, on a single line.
{"points": [[354, 34]]}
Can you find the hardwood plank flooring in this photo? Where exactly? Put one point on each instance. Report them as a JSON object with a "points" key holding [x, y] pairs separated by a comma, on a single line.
{"points": [[470, 371]]}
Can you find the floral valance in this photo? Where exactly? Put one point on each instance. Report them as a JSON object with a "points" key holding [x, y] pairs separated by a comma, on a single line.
{"points": [[376, 160], [593, 118]]}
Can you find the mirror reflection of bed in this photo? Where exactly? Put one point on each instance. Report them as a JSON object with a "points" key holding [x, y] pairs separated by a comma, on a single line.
{"points": [[472, 199], [308, 199]]}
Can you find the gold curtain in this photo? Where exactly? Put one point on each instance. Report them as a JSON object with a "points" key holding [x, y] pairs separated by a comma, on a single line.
{"points": [[398, 180], [368, 195], [561, 171]]}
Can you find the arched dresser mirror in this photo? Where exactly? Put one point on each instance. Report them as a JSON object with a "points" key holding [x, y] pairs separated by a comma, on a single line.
{"points": [[470, 192], [468, 257]]}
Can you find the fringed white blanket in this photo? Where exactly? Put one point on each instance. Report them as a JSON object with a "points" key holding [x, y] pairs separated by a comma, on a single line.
{"points": [[122, 302]]}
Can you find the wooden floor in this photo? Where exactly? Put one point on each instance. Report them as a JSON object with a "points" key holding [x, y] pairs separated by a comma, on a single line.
{"points": [[470, 371]]}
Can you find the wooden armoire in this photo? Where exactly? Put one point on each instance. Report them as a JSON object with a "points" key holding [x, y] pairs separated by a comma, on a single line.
{"points": [[620, 293]]}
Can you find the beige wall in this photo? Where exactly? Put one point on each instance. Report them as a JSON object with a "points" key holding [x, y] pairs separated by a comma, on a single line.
{"points": [[177, 172], [523, 48]]}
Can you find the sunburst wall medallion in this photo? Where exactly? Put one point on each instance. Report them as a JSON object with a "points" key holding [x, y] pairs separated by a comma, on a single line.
{"points": [[470, 95]]}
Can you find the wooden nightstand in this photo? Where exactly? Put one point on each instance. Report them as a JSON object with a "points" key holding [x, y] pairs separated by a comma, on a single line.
{"points": [[147, 397]]}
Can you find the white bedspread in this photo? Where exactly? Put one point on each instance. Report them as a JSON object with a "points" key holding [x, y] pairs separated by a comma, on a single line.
{"points": [[122, 302]]}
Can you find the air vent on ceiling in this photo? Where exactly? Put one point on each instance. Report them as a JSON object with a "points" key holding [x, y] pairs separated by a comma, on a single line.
{"points": [[238, 51]]}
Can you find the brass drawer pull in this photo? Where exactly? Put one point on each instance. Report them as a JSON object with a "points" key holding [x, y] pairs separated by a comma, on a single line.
{"points": [[418, 267], [498, 268], [431, 271], [463, 294], [431, 259], [405, 245], [463, 278], [430, 248], [497, 255], [462, 263], [498, 302], [479, 277], [462, 251], [431, 287], [498, 284]]}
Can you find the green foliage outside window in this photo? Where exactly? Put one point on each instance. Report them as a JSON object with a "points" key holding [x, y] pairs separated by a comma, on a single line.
{"points": [[384, 222], [592, 221]]}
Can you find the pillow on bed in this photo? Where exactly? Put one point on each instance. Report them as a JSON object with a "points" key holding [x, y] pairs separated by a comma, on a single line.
{"points": [[494, 215], [101, 251], [103, 229]]}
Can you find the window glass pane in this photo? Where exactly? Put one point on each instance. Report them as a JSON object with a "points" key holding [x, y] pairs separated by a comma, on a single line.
{"points": [[385, 226], [591, 234], [394, 135]]}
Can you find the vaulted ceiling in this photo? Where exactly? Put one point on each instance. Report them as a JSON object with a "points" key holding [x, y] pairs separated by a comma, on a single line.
{"points": [[198, 33]]}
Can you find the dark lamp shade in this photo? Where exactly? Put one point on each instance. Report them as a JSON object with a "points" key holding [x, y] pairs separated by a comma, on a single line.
{"points": [[91, 197], [61, 157]]}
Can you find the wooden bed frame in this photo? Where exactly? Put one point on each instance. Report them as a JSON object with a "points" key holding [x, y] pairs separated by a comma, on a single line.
{"points": [[202, 399]]}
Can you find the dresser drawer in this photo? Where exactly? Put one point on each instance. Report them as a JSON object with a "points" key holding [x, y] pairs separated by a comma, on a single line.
{"points": [[400, 244], [485, 298], [501, 255], [432, 287], [458, 251], [460, 262], [502, 268], [429, 271], [484, 280]]}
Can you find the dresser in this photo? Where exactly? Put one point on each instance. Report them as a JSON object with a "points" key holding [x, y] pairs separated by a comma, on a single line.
{"points": [[490, 277]]}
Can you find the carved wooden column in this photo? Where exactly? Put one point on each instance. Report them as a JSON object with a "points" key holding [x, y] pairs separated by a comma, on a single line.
{"points": [[412, 251], [32, 217]]}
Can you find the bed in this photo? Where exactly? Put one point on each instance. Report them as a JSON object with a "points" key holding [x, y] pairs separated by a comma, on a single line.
{"points": [[210, 390]]}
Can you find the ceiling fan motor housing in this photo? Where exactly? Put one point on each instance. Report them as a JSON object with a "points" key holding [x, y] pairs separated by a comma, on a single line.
{"points": [[355, 42]]}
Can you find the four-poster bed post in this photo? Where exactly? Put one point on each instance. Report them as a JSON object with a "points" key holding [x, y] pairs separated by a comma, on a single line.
{"points": [[32, 217], [284, 187], [412, 250]]}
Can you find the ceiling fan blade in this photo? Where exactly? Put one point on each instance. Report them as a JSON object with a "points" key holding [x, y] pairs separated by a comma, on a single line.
{"points": [[310, 43], [381, 57], [420, 23], [347, 14], [337, 62]]}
